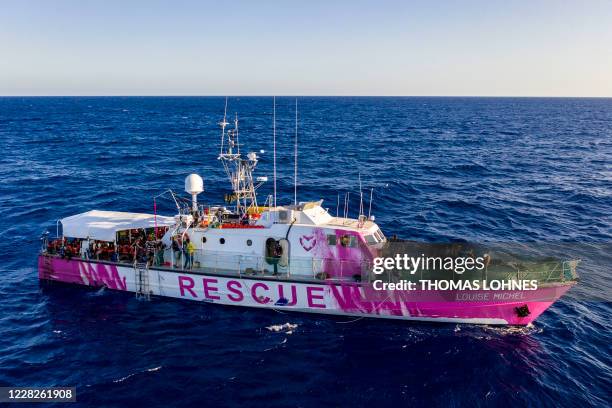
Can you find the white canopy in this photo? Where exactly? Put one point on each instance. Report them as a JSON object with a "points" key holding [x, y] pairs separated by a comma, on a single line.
{"points": [[103, 225]]}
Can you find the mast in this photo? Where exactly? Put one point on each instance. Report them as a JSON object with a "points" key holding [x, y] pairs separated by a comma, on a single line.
{"points": [[239, 170], [274, 145], [295, 154]]}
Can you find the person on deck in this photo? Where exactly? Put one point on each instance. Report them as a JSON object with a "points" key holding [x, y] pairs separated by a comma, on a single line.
{"points": [[114, 254], [139, 251], [176, 249], [98, 250], [159, 257], [189, 249], [150, 251], [84, 248]]}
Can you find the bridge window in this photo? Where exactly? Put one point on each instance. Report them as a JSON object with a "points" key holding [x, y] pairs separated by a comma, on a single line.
{"points": [[348, 241], [378, 234], [370, 239]]}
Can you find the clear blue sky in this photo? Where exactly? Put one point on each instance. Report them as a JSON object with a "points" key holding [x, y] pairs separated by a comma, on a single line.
{"points": [[108, 47]]}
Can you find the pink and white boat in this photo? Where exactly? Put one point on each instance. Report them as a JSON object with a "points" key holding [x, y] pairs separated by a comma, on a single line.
{"points": [[294, 257]]}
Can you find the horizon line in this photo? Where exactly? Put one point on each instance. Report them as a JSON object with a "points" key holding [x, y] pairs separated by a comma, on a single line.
{"points": [[298, 96]]}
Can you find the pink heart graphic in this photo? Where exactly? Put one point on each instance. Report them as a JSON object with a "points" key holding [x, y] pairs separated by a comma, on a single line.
{"points": [[305, 242]]}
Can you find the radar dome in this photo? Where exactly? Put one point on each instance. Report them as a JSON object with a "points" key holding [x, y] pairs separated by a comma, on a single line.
{"points": [[194, 184]]}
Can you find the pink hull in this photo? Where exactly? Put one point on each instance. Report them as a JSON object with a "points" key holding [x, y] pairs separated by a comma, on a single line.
{"points": [[482, 307]]}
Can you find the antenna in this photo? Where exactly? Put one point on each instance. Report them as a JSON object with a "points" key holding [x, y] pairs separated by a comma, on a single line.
{"points": [[155, 215], [370, 209], [274, 145], [296, 156], [360, 198], [236, 129], [223, 125], [348, 199], [337, 205], [346, 204]]}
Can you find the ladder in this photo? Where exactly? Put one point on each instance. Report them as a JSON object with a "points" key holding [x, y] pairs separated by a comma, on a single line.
{"points": [[141, 273]]}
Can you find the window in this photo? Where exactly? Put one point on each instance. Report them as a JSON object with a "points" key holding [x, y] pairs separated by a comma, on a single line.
{"points": [[379, 235], [283, 216], [249, 242], [370, 239], [203, 240], [331, 240], [348, 241], [222, 241]]}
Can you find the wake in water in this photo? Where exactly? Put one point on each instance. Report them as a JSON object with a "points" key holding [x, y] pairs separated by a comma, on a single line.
{"points": [[287, 328], [148, 370], [514, 330]]}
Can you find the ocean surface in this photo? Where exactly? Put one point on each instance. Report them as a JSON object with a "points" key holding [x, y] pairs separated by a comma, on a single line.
{"points": [[531, 170]]}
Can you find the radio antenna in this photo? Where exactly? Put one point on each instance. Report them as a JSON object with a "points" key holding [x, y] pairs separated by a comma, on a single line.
{"points": [[295, 153], [223, 125], [236, 130], [274, 145], [360, 197], [370, 209], [346, 204]]}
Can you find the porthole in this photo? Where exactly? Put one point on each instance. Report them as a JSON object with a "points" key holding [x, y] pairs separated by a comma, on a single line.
{"points": [[249, 242], [203, 240], [222, 241]]}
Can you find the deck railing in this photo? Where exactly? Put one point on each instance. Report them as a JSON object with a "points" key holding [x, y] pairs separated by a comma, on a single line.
{"points": [[251, 264], [238, 264]]}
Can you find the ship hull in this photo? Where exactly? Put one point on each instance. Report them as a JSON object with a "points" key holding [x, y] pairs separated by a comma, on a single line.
{"points": [[325, 297]]}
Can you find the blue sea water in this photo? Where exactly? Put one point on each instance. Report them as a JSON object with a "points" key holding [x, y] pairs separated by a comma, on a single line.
{"points": [[481, 169]]}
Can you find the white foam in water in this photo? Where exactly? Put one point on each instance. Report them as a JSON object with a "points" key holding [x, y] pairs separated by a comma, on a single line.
{"points": [[281, 327], [98, 292], [124, 378], [527, 330], [148, 370]]}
